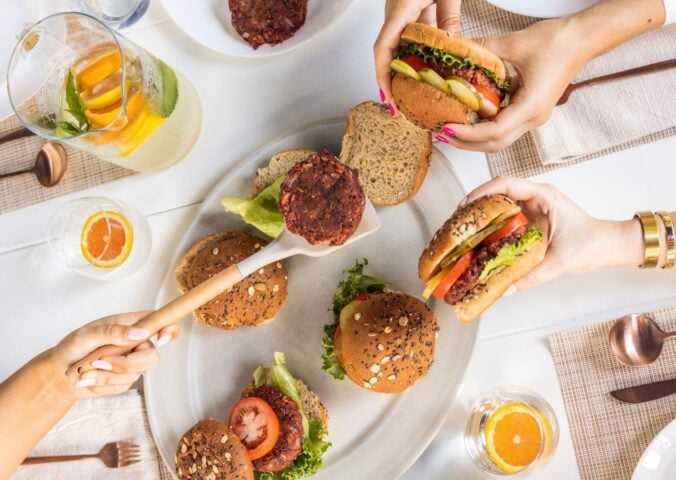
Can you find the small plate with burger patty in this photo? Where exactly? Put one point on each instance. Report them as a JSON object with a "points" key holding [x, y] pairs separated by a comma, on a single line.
{"points": [[401, 359]]}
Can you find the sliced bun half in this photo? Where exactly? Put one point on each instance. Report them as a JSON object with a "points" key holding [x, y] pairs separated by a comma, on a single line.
{"points": [[463, 224], [280, 164], [252, 301]]}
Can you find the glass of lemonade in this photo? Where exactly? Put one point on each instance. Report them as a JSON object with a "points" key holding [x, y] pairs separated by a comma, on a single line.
{"points": [[73, 79], [99, 237], [511, 430]]}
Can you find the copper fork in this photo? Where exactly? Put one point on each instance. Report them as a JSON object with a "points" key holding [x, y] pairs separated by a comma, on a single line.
{"points": [[113, 455], [632, 72]]}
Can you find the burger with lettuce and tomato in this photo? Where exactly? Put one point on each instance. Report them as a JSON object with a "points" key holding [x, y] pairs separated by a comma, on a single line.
{"points": [[444, 78], [478, 253]]}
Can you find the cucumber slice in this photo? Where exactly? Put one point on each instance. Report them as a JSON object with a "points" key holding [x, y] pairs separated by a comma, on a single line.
{"points": [[404, 68], [465, 92], [433, 78], [169, 89]]}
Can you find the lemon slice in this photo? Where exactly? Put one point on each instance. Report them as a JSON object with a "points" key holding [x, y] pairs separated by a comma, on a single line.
{"points": [[106, 240], [513, 436]]}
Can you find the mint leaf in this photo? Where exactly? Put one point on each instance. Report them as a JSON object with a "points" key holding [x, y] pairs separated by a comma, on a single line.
{"points": [[75, 106], [66, 129]]}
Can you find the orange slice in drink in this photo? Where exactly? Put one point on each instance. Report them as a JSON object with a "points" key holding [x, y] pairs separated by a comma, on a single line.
{"points": [[99, 70], [106, 240], [514, 436]]}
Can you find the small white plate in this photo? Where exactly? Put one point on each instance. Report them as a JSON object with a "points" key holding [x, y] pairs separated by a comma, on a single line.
{"points": [[658, 462], [208, 22], [545, 9], [374, 435]]}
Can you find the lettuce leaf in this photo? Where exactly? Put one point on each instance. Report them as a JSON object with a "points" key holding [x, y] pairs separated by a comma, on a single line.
{"points": [[309, 461], [261, 211], [355, 283], [508, 253], [436, 55]]}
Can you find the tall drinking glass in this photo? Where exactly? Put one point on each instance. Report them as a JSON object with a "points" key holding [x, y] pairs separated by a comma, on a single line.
{"points": [[73, 79]]}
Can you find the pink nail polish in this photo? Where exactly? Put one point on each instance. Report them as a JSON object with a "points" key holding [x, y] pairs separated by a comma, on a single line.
{"points": [[137, 334], [85, 382], [102, 365], [441, 139], [382, 95], [448, 131], [393, 112]]}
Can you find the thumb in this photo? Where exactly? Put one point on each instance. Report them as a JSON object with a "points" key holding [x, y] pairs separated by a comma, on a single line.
{"points": [[543, 273], [499, 44], [448, 15]]}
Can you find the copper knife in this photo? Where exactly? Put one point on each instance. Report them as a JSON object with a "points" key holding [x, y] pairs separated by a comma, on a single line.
{"points": [[647, 392]]}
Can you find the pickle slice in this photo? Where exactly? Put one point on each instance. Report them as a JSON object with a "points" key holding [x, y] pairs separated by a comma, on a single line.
{"points": [[465, 92], [404, 68], [433, 78]]}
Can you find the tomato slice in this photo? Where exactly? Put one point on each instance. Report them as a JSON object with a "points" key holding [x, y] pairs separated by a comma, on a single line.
{"points": [[338, 344], [361, 296], [255, 423], [415, 61], [490, 95], [510, 226], [453, 274]]}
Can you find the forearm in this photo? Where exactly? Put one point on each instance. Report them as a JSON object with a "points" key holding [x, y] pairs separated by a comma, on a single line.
{"points": [[609, 23], [32, 401]]}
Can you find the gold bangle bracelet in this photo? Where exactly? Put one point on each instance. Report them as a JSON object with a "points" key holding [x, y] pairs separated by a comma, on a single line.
{"points": [[671, 240], [651, 239]]}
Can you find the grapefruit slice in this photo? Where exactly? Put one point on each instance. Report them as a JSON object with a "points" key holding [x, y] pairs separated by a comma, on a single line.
{"points": [[106, 240]]}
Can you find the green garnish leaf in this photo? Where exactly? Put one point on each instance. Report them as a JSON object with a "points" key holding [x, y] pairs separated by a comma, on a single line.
{"points": [[261, 211], [509, 252], [66, 129], [75, 106], [169, 89], [330, 362], [355, 283], [436, 55]]}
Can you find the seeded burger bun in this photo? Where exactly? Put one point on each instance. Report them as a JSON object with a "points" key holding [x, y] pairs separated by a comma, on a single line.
{"points": [[386, 341], [252, 301], [485, 226], [210, 451], [429, 106]]}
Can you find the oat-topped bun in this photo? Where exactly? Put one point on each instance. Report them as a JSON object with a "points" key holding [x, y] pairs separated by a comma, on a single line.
{"points": [[465, 222], [386, 341], [210, 451], [252, 301]]}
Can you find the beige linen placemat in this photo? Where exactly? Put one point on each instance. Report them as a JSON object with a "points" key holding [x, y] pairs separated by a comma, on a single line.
{"points": [[84, 171], [610, 436], [595, 121]]}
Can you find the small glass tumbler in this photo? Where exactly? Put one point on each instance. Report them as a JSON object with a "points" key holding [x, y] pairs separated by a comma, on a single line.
{"points": [[116, 13], [511, 430], [100, 237]]}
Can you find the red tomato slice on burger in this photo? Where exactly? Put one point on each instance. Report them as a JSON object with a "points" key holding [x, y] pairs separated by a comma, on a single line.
{"points": [[255, 423], [490, 95], [416, 62], [453, 274], [518, 220], [361, 296]]}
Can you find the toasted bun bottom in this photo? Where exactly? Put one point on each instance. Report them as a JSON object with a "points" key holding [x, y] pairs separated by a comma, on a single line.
{"points": [[426, 106], [483, 296]]}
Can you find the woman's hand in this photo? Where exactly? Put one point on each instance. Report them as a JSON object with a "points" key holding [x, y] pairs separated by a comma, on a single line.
{"points": [[113, 374], [577, 242], [444, 14]]}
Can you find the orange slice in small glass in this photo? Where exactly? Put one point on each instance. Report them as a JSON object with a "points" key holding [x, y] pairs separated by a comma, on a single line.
{"points": [[106, 240]]}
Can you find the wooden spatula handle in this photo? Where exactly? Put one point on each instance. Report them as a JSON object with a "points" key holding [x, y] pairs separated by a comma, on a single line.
{"points": [[167, 315]]}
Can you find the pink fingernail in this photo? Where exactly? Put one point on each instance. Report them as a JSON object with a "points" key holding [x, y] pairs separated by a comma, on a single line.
{"points": [[441, 139], [382, 95], [137, 334], [393, 112], [85, 382], [164, 339], [102, 365], [448, 131]]}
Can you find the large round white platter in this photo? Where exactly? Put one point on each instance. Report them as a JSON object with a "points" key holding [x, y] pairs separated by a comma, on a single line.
{"points": [[547, 9], [658, 462], [374, 435], [209, 23]]}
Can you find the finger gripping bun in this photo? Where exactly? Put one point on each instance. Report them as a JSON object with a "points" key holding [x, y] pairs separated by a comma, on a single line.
{"points": [[252, 301], [388, 341], [465, 222], [210, 451], [426, 106]]}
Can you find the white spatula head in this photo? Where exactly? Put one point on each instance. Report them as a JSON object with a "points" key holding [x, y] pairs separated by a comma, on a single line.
{"points": [[289, 244]]}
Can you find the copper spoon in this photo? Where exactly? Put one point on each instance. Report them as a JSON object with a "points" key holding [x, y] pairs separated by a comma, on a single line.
{"points": [[637, 340], [50, 165]]}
